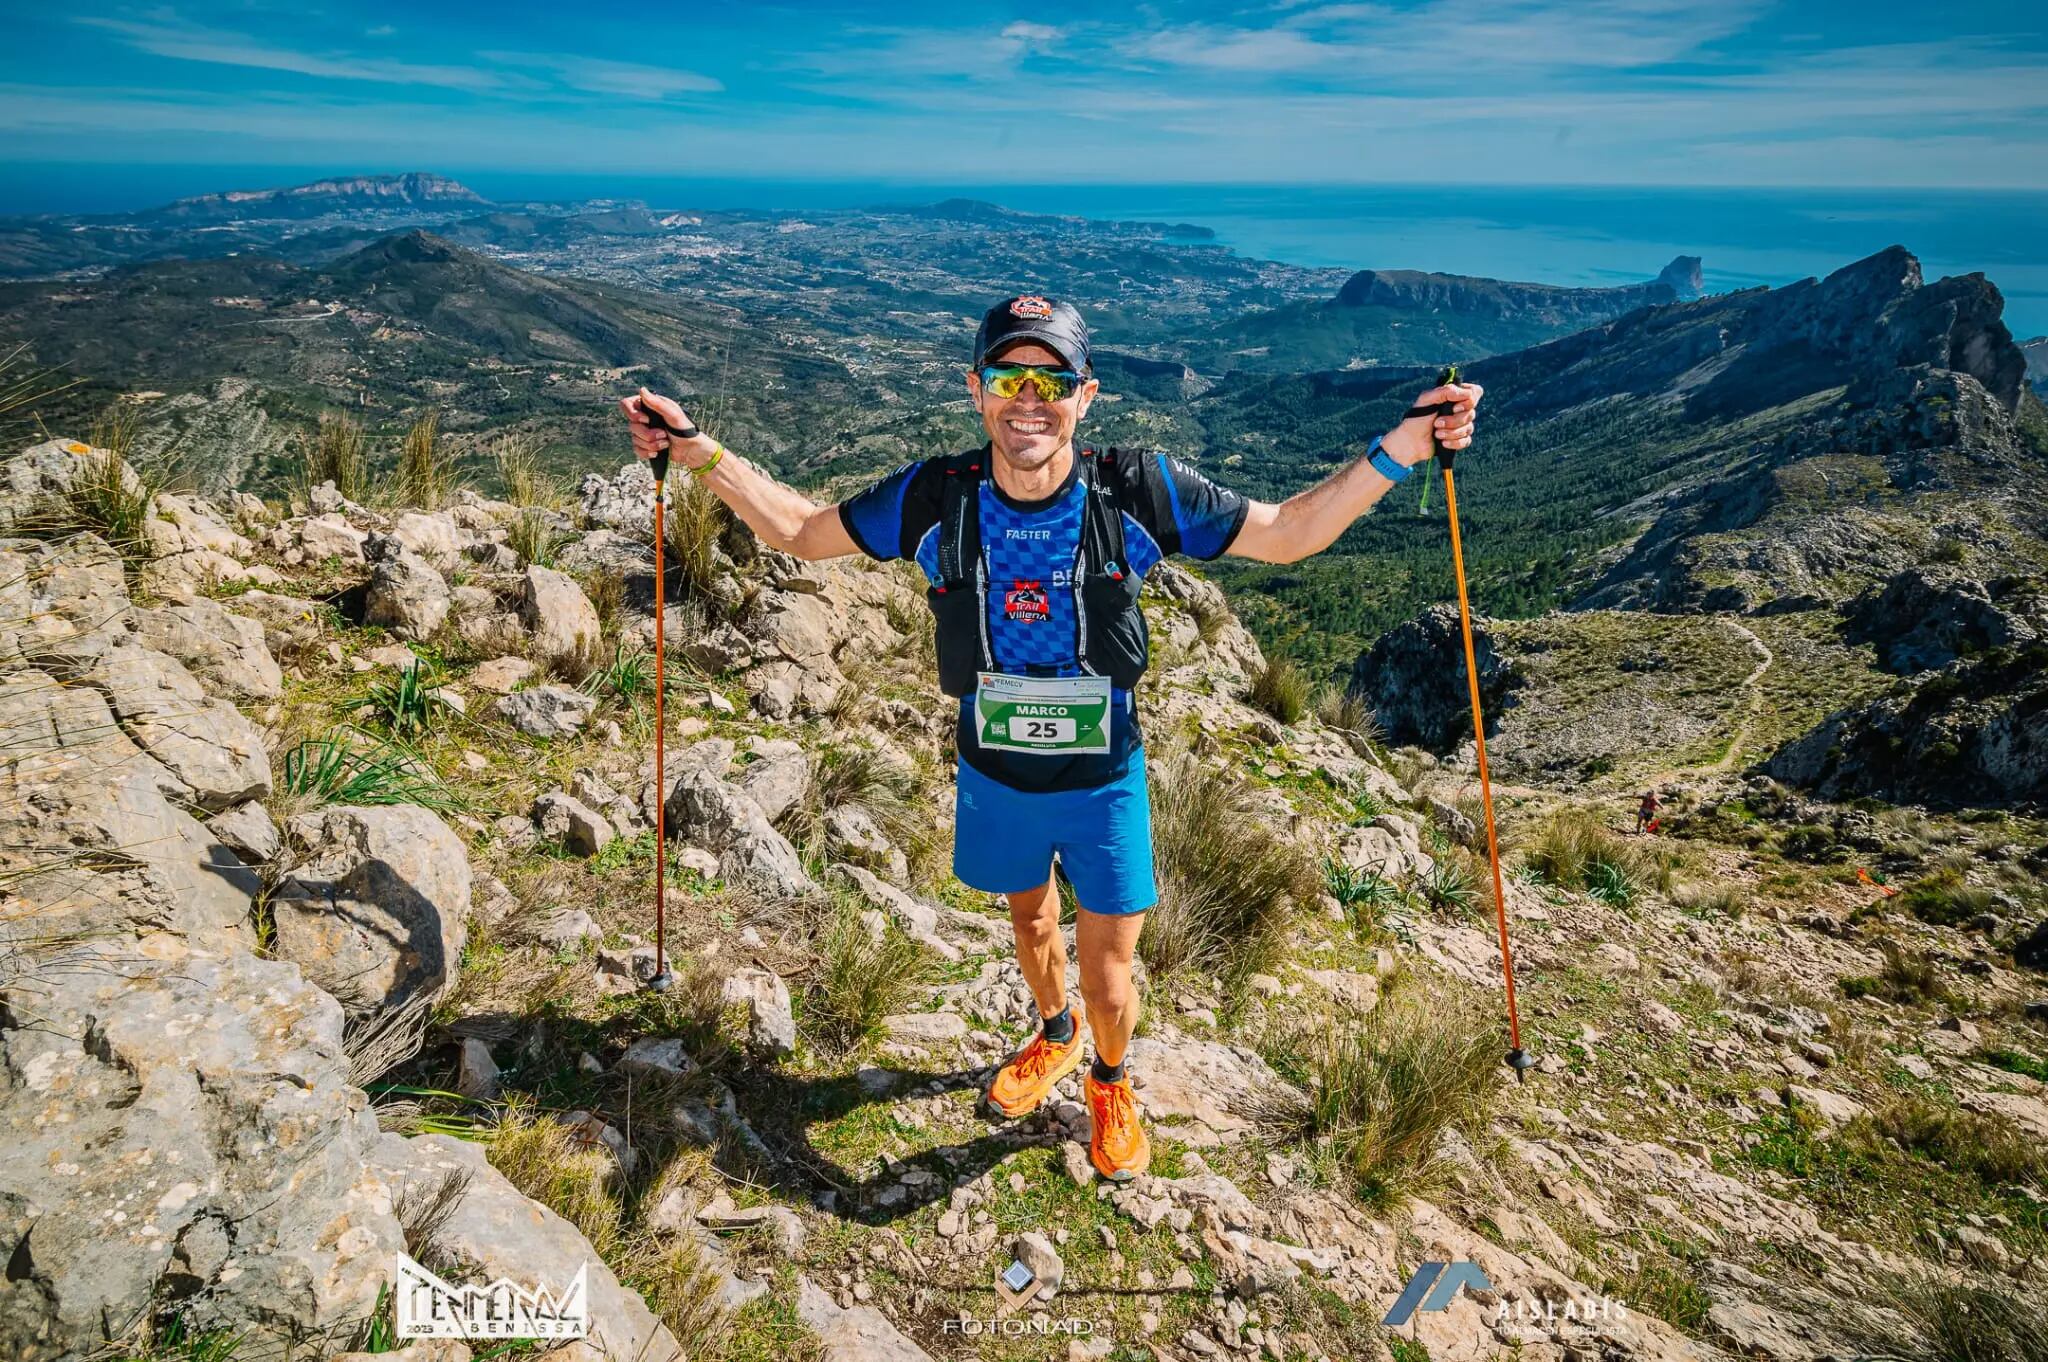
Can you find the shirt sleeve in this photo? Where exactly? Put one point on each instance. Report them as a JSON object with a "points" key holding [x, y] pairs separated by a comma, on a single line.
{"points": [[1185, 511], [888, 518]]}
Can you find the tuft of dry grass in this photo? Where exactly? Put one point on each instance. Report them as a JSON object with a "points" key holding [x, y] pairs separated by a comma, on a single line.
{"points": [[1281, 690], [859, 977], [1227, 878], [1575, 850], [337, 452], [1385, 1087], [1348, 712], [425, 476], [522, 477]]}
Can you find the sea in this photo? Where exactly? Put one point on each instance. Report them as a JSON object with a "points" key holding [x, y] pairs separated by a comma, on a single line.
{"points": [[1583, 235]]}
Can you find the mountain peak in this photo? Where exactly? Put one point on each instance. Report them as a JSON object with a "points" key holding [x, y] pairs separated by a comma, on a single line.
{"points": [[414, 189]]}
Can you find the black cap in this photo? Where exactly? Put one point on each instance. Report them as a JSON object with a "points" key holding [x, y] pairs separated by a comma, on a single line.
{"points": [[1058, 326]]}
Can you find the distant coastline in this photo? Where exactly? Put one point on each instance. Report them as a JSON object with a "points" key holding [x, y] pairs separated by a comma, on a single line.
{"points": [[1590, 236]]}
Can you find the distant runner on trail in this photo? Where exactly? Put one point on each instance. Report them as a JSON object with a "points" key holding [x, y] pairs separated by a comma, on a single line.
{"points": [[1646, 812], [1034, 547]]}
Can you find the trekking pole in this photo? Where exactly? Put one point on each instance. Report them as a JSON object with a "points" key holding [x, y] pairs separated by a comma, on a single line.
{"points": [[1518, 1058], [664, 978]]}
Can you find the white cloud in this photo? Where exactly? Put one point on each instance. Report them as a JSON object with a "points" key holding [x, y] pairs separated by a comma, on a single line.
{"points": [[599, 75]]}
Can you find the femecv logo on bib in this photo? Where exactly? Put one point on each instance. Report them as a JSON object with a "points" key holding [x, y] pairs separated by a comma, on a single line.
{"points": [[1066, 715]]}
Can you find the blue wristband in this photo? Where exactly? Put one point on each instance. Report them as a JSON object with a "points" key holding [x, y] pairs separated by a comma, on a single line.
{"points": [[1385, 464]]}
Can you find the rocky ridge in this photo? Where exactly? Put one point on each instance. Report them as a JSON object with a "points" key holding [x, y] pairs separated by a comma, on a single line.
{"points": [[226, 947]]}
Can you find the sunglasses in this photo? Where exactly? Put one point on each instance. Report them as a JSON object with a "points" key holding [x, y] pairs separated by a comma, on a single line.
{"points": [[1007, 380]]}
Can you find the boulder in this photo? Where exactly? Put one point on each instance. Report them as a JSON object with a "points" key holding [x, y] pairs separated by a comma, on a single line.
{"points": [[179, 1131], [375, 910], [322, 537], [770, 1024], [624, 501], [227, 651], [247, 831], [206, 744], [432, 536], [493, 1231], [546, 711], [2031, 950], [560, 621], [776, 778], [406, 594], [1402, 676], [561, 817], [1036, 1252], [78, 795], [708, 813]]}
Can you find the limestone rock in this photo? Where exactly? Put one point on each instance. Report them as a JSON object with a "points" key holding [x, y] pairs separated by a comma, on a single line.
{"points": [[159, 1105], [546, 711], [247, 831], [375, 911], [493, 1232], [560, 620], [708, 813], [860, 1333], [406, 594], [770, 1025], [501, 675], [563, 818], [1199, 1090], [224, 650], [206, 744]]}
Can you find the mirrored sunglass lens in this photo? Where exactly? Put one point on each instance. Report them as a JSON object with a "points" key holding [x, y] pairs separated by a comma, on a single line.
{"points": [[1052, 387]]}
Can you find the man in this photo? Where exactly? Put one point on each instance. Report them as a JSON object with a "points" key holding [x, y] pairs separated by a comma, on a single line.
{"points": [[1034, 549]]}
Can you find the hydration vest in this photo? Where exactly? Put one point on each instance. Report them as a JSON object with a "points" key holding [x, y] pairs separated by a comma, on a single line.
{"points": [[1111, 638]]}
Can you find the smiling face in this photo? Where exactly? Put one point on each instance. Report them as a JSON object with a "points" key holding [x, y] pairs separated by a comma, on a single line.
{"points": [[1027, 431]]}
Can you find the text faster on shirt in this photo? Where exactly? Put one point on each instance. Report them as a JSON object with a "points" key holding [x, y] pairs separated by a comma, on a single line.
{"points": [[1030, 552]]}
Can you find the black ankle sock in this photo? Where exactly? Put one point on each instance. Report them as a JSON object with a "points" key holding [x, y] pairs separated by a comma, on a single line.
{"points": [[1103, 1073], [1059, 1030]]}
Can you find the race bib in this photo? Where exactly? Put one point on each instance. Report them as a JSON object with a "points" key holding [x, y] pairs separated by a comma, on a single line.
{"points": [[1063, 714]]}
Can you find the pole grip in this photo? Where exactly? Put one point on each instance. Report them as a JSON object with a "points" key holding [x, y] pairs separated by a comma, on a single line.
{"points": [[660, 422], [1449, 457]]}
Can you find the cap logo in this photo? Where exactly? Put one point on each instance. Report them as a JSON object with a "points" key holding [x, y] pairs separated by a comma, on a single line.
{"points": [[1031, 306]]}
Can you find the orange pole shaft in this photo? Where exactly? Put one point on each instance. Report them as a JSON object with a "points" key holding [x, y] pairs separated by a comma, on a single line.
{"points": [[1500, 898], [660, 768]]}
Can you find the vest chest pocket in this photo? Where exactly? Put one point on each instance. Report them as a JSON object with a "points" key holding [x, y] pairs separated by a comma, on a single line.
{"points": [[956, 621], [1118, 642]]}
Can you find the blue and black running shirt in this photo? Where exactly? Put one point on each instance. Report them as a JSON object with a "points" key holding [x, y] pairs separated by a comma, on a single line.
{"points": [[1031, 550]]}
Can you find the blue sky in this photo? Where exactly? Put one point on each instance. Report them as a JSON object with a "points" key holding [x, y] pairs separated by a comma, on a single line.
{"points": [[1741, 92]]}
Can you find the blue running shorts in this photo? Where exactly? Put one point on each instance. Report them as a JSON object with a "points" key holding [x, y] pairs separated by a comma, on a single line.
{"points": [[1004, 840]]}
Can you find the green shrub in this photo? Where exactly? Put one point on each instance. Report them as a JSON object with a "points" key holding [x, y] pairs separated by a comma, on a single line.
{"points": [[1812, 842], [1991, 1149], [1906, 977], [1281, 690], [1227, 878], [1986, 1320], [1574, 850], [1943, 899], [628, 677]]}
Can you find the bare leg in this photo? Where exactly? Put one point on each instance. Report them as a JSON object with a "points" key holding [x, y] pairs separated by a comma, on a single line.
{"points": [[1041, 951], [1105, 944]]}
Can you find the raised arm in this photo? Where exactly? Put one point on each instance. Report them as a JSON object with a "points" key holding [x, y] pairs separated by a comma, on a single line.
{"points": [[1309, 522], [782, 517]]}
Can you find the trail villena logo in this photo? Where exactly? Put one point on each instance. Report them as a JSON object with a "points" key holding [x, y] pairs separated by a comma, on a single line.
{"points": [[428, 1307]]}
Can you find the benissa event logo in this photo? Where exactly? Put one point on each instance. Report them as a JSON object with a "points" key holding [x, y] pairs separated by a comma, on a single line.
{"points": [[428, 1307], [1031, 306]]}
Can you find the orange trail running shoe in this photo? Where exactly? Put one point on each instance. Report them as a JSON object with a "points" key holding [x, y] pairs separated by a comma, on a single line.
{"points": [[1020, 1085], [1118, 1146]]}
